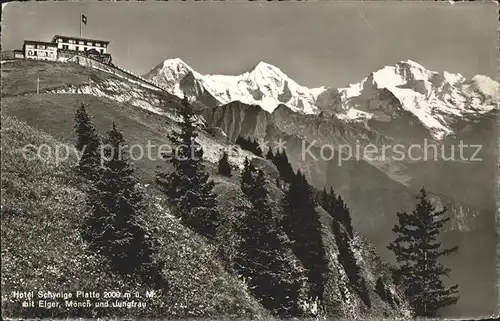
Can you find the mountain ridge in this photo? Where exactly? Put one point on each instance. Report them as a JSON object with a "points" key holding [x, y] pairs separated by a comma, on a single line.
{"points": [[435, 99]]}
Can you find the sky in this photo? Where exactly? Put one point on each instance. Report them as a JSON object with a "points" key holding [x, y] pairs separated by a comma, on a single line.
{"points": [[323, 43]]}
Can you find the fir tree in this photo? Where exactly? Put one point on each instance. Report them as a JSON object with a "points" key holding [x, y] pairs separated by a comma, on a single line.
{"points": [[247, 180], [188, 186], [224, 168], [348, 262], [270, 155], [88, 143], [417, 252], [303, 227], [256, 149], [327, 200], [334, 205], [250, 145], [114, 228], [342, 212], [337, 208], [323, 200], [383, 292], [262, 259], [283, 165]]}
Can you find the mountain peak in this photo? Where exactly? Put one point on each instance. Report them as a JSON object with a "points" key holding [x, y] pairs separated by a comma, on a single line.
{"points": [[264, 65], [264, 85], [412, 63], [268, 69], [176, 63], [402, 73], [486, 85], [169, 73]]}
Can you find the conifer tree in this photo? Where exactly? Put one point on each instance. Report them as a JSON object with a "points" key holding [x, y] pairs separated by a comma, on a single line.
{"points": [[326, 200], [250, 145], [270, 155], [262, 259], [383, 292], [283, 165], [323, 200], [336, 206], [341, 212], [348, 262], [88, 143], [188, 186], [114, 228], [224, 168], [247, 177], [417, 252], [256, 149], [303, 227]]}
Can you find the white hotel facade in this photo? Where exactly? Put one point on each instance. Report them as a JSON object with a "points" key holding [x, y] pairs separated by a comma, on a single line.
{"points": [[80, 44], [61, 48], [39, 50]]}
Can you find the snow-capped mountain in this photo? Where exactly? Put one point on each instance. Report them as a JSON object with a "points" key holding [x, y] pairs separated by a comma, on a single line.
{"points": [[433, 100], [265, 85], [437, 100]]}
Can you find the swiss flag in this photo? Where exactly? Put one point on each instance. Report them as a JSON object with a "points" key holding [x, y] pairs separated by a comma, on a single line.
{"points": [[84, 19]]}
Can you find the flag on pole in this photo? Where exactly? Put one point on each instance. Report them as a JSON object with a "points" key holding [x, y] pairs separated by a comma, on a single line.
{"points": [[84, 19]]}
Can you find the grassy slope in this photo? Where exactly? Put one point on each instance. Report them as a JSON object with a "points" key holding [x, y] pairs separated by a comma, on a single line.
{"points": [[42, 209], [20, 77], [54, 114]]}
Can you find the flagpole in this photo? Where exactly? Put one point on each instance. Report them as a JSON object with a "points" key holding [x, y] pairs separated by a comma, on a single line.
{"points": [[80, 25]]}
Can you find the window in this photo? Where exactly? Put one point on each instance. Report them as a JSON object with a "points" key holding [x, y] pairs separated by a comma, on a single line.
{"points": [[41, 47], [59, 40], [81, 42], [77, 48], [97, 44], [89, 43], [84, 48], [102, 50], [35, 53], [65, 47], [30, 53]]}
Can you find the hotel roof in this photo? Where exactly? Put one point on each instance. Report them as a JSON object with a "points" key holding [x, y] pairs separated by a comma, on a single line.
{"points": [[40, 43], [78, 38]]}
